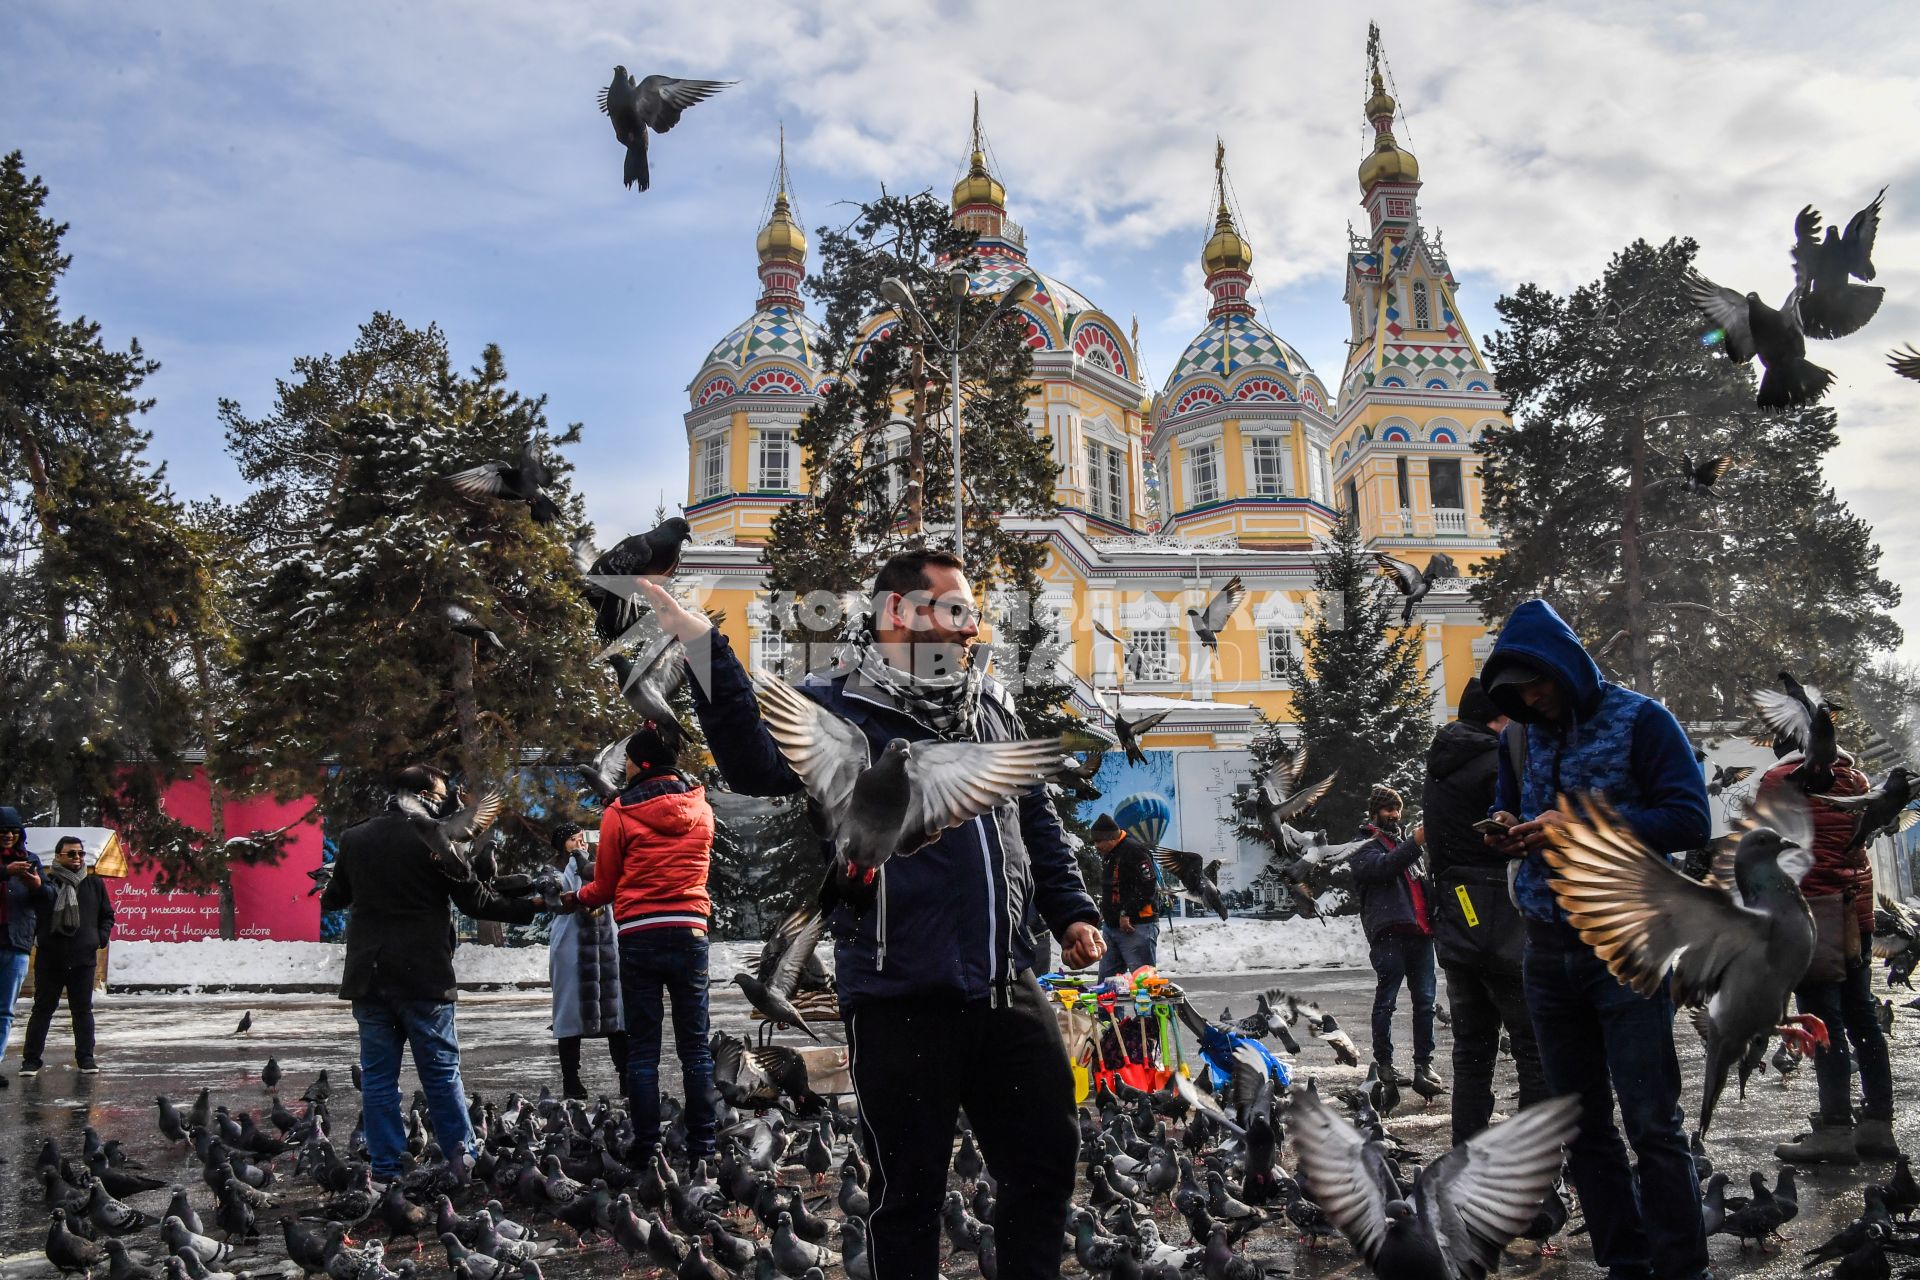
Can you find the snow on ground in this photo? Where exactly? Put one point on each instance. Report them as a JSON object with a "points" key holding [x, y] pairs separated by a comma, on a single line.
{"points": [[1246, 946], [1188, 947], [263, 965]]}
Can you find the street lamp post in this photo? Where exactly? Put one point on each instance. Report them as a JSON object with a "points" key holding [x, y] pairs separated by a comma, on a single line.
{"points": [[900, 296]]}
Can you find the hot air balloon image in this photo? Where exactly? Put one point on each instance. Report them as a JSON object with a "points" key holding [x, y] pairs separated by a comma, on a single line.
{"points": [[1144, 816]]}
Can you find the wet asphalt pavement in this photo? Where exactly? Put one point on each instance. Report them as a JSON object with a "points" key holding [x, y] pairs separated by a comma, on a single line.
{"points": [[177, 1043]]}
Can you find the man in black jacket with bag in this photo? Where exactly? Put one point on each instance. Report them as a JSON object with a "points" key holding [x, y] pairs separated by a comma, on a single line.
{"points": [[1128, 886], [1477, 929], [399, 969], [68, 935]]}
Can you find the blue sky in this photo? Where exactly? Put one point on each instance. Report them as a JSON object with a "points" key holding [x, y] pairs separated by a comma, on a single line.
{"points": [[247, 183]]}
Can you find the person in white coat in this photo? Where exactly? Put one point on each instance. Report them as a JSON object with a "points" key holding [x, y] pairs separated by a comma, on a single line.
{"points": [[583, 962]]}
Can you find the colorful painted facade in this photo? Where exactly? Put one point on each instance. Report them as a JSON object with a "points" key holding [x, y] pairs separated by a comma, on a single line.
{"points": [[1237, 465]]}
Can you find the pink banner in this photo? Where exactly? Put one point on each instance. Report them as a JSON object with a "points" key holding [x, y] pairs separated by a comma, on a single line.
{"points": [[269, 902]]}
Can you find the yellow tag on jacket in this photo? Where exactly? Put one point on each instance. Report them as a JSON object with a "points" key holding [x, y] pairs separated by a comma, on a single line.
{"points": [[1466, 906]]}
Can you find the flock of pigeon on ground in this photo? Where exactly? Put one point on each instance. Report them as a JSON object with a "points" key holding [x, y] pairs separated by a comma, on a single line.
{"points": [[1185, 1181]]}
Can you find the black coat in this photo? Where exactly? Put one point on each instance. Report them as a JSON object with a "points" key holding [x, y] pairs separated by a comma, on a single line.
{"points": [[75, 950], [1483, 929], [400, 935], [1128, 882], [1383, 871]]}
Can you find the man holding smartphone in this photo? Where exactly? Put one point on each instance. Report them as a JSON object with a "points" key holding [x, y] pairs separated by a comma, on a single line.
{"points": [[23, 896], [1576, 733]]}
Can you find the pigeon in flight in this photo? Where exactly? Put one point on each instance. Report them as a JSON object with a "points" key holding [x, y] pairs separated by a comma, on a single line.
{"points": [[1703, 474], [1749, 327], [1462, 1209], [1200, 880], [1905, 361], [467, 824], [463, 621], [650, 683], [605, 774], [1131, 656], [1209, 624], [1279, 796], [1886, 808], [1077, 775], [612, 586], [654, 103], [1130, 731], [1724, 777], [1737, 944], [901, 802], [784, 958], [1804, 718], [1831, 305], [1329, 1033], [525, 479], [1414, 583]]}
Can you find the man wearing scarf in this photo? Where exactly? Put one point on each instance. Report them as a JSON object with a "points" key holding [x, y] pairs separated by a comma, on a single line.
{"points": [[933, 952], [69, 935]]}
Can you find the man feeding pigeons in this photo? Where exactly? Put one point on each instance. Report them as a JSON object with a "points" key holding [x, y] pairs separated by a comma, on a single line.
{"points": [[933, 959]]}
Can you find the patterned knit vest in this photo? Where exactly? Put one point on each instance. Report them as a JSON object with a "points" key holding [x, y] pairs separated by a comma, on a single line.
{"points": [[1594, 755]]}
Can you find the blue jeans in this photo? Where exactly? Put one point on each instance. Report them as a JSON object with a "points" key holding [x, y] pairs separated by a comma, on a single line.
{"points": [[1128, 951], [1599, 1040], [386, 1027], [13, 972], [1850, 1012], [1397, 958], [673, 961]]}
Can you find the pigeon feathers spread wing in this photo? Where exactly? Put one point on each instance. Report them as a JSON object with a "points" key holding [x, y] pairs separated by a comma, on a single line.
{"points": [[875, 809], [653, 103], [1462, 1209]]}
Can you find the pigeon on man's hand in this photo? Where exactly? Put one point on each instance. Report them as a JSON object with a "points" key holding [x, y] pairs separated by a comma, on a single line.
{"points": [[653, 103]]}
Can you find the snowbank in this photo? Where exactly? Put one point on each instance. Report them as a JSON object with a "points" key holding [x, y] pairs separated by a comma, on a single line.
{"points": [[211, 962], [1196, 947]]}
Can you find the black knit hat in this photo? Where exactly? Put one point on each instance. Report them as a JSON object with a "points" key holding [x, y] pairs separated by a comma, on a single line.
{"points": [[1475, 706], [10, 819], [1104, 826], [563, 833], [654, 747]]}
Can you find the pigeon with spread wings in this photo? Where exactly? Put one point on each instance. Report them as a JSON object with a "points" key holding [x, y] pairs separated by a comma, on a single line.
{"points": [[1701, 474], [1800, 714], [783, 961], [653, 103], [1201, 880], [449, 837], [1831, 305], [1905, 361], [1130, 731], [1886, 809], [901, 802], [1462, 1209], [1131, 657], [1210, 622], [1414, 583], [1737, 945], [1748, 327], [525, 479]]}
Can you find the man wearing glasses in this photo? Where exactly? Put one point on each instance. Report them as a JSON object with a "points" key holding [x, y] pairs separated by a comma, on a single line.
{"points": [[71, 929], [933, 954]]}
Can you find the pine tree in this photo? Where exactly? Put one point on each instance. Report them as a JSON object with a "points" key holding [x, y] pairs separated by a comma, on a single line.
{"points": [[864, 501], [351, 669], [98, 578], [1687, 597], [1360, 693]]}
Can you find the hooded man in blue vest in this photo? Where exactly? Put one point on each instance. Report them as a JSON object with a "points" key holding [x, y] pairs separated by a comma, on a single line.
{"points": [[1575, 732]]}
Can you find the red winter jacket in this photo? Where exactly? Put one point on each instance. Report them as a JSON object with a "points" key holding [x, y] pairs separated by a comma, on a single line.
{"points": [[656, 841], [1833, 870]]}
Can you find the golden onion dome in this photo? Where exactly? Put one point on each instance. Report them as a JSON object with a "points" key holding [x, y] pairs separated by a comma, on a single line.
{"points": [[1381, 103], [1388, 163], [782, 239], [979, 186], [1228, 250]]}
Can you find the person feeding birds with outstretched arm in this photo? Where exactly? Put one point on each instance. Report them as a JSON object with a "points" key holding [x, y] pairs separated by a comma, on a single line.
{"points": [[1573, 731], [933, 958]]}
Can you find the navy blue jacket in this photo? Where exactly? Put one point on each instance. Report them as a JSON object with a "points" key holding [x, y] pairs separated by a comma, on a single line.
{"points": [[953, 919], [1620, 744], [24, 904], [1383, 871]]}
